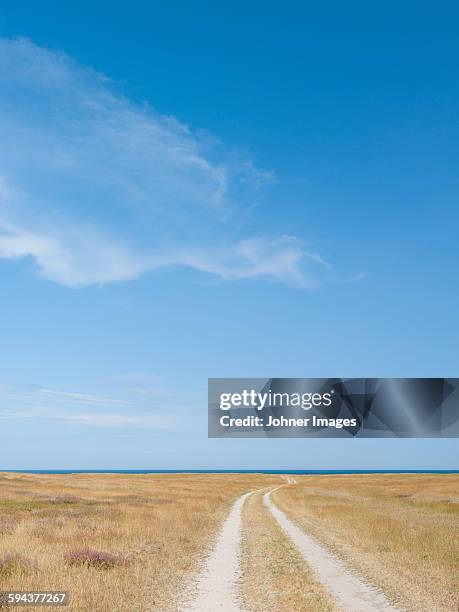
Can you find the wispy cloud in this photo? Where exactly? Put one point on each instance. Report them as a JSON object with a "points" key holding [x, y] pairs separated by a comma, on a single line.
{"points": [[80, 398], [35, 393], [94, 188], [153, 421], [33, 402]]}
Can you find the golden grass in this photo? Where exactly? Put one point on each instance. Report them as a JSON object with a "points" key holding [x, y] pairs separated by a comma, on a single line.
{"points": [[274, 575], [400, 531], [158, 526]]}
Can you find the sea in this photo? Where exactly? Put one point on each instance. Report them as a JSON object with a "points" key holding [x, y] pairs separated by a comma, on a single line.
{"points": [[235, 471]]}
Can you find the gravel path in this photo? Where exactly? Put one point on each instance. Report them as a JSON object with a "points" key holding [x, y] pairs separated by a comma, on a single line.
{"points": [[349, 591], [217, 586]]}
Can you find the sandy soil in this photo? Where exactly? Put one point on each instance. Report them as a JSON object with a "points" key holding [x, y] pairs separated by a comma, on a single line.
{"points": [[217, 586]]}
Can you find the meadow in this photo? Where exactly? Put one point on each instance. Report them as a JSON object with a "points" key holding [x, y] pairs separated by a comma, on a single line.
{"points": [[135, 542], [115, 542], [400, 531]]}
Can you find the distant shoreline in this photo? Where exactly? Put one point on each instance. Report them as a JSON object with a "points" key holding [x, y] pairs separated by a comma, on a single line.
{"points": [[235, 471]]}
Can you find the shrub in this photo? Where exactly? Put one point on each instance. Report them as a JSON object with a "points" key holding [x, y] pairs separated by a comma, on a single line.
{"points": [[7, 525], [11, 564], [65, 499], [94, 558]]}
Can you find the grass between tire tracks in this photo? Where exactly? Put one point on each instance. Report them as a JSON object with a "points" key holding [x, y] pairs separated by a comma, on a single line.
{"points": [[274, 575]]}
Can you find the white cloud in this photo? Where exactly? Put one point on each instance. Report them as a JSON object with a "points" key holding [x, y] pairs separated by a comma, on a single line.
{"points": [[153, 421], [39, 403], [84, 398], [76, 258], [36, 393], [284, 259], [94, 188]]}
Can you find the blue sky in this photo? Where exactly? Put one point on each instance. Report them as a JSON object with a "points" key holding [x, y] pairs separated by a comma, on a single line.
{"points": [[189, 191]]}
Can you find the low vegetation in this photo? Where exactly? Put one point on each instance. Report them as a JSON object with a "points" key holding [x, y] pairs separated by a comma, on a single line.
{"points": [[95, 558], [133, 542], [400, 531], [115, 542], [13, 564]]}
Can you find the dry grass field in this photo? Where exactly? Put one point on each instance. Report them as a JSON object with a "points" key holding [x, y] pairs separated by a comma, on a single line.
{"points": [[115, 542], [398, 530], [133, 542], [274, 575]]}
